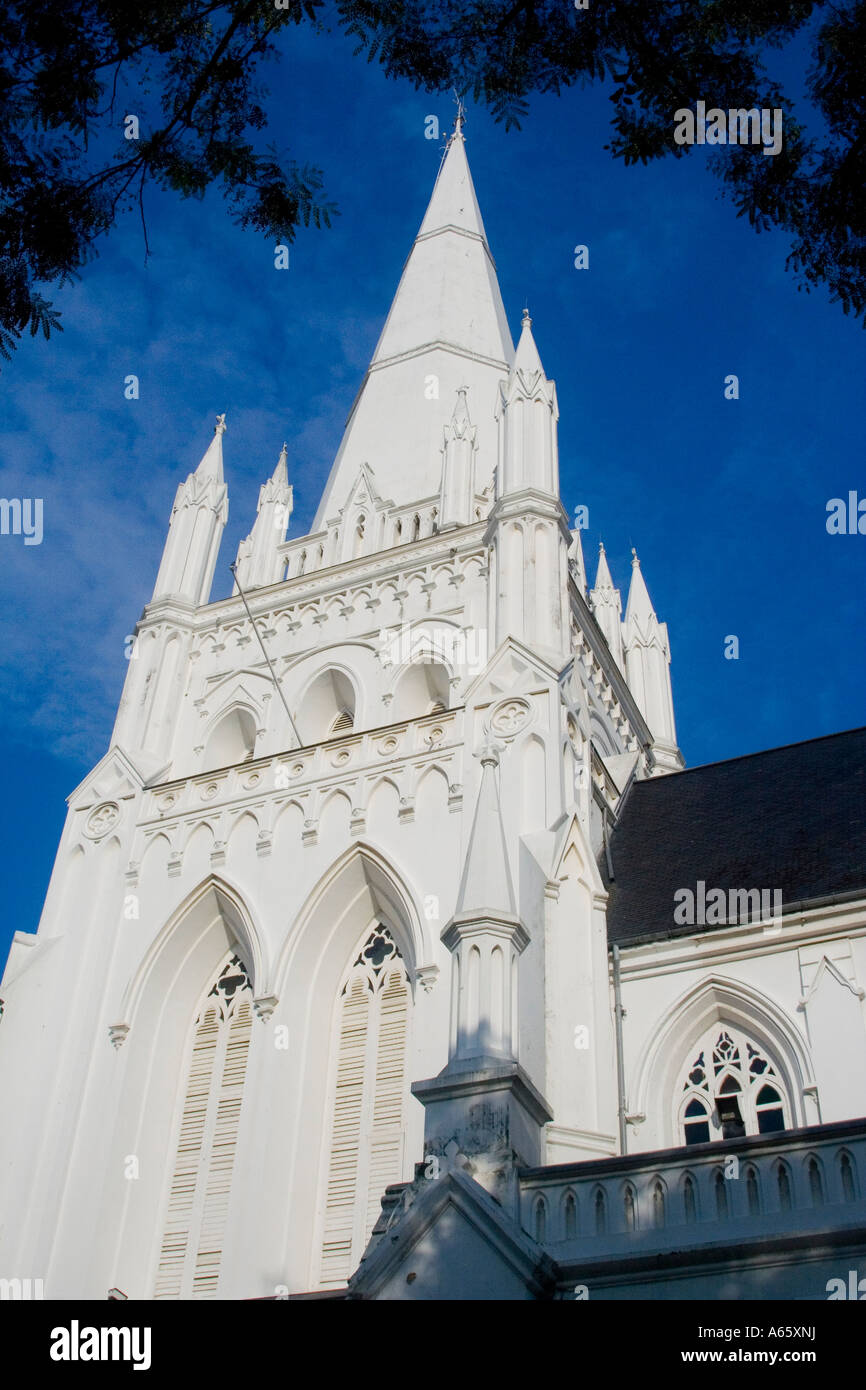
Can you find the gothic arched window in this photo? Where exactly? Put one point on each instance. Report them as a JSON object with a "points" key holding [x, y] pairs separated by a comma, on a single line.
{"points": [[570, 1214], [731, 1087], [189, 1260], [368, 1098]]}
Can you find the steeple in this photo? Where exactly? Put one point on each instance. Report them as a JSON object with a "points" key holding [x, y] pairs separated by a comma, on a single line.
{"points": [[647, 661], [198, 517], [457, 491], [446, 328], [259, 561], [607, 607]]}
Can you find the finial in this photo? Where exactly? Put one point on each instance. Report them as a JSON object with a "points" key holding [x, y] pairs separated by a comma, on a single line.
{"points": [[284, 452], [527, 321], [601, 547], [220, 427], [634, 559], [459, 118]]}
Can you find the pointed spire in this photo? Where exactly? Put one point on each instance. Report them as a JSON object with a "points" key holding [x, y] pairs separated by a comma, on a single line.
{"points": [[211, 465], [198, 517], [446, 326], [259, 559], [647, 657], [521, 464], [607, 607], [485, 887], [453, 203], [639, 607], [526, 359], [603, 578]]}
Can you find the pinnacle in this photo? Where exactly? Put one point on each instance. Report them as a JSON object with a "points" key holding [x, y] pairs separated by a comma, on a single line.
{"points": [[526, 359], [211, 465], [639, 604], [486, 883], [603, 578]]}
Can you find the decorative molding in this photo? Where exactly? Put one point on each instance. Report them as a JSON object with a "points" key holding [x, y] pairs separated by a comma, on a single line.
{"points": [[117, 1034], [101, 820], [427, 976], [264, 1006]]}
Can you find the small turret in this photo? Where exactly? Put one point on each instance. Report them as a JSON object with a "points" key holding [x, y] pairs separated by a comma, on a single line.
{"points": [[259, 561], [198, 518], [647, 658], [607, 607]]}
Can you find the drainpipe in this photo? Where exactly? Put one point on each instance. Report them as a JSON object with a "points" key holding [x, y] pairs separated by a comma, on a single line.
{"points": [[618, 1015]]}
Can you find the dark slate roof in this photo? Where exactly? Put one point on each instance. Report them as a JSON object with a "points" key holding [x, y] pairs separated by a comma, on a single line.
{"points": [[791, 818]]}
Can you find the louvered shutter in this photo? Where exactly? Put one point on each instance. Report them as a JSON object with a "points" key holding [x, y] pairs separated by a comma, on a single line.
{"points": [[346, 1132], [386, 1141], [368, 1103], [191, 1251]]}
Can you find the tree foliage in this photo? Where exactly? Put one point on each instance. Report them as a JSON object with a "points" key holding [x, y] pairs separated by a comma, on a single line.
{"points": [[66, 66]]}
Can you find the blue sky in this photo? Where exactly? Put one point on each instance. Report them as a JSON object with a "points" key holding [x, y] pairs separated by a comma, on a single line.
{"points": [[725, 501]]}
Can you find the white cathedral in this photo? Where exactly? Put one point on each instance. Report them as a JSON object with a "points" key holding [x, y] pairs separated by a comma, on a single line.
{"points": [[390, 952]]}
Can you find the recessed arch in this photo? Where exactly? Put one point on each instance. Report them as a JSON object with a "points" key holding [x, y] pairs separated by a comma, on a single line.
{"points": [[717, 999], [419, 688], [231, 738], [330, 694], [214, 909], [363, 883]]}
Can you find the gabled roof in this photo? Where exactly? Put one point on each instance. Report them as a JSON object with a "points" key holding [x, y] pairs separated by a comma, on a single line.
{"points": [[791, 819]]}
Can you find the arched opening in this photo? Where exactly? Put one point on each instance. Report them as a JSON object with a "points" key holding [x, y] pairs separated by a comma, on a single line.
{"points": [[690, 1205], [232, 740], [422, 687], [816, 1183], [329, 698], [187, 1014], [600, 1212], [846, 1174], [783, 1180], [658, 1199], [628, 1208], [570, 1216], [195, 1218], [540, 1220]]}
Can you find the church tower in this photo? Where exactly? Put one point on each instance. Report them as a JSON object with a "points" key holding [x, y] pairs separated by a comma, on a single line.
{"points": [[333, 891]]}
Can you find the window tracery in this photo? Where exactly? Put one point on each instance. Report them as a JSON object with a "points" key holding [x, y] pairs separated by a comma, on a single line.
{"points": [[730, 1088]]}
